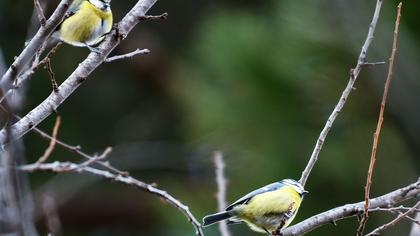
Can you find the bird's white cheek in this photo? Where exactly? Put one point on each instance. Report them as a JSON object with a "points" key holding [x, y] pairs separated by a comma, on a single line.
{"points": [[97, 3]]}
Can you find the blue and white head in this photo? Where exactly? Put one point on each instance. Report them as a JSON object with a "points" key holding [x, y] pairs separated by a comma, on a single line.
{"points": [[104, 5], [295, 185]]}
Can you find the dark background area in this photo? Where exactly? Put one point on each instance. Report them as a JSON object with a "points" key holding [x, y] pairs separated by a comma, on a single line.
{"points": [[254, 79]]}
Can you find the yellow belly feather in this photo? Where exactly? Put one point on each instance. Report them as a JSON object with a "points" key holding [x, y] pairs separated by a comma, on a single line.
{"points": [[86, 26], [255, 212]]}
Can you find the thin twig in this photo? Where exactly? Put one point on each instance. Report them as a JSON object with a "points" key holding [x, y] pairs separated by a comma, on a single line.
{"points": [[50, 71], [53, 141], [163, 16], [30, 71], [392, 209], [417, 222], [397, 210], [72, 148], [49, 54], [96, 158], [352, 210], [379, 125], [40, 13], [380, 229], [353, 77], [128, 55], [5, 96], [61, 167], [221, 193], [374, 63]]}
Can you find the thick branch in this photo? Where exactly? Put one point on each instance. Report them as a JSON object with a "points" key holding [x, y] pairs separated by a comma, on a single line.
{"points": [[353, 76], [51, 103], [60, 167], [34, 45], [355, 209]]}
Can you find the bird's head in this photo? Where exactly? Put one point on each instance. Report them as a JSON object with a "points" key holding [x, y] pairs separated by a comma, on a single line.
{"points": [[104, 5], [295, 185]]}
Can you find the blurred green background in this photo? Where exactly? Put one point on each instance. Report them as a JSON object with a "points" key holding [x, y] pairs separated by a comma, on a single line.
{"points": [[253, 79]]}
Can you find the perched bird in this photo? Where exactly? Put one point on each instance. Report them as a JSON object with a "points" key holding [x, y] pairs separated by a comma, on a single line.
{"points": [[265, 210], [87, 23]]}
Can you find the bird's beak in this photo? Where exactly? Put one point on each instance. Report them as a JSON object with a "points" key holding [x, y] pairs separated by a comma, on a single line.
{"points": [[305, 192]]}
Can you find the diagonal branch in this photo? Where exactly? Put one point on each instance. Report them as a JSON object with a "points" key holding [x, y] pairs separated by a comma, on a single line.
{"points": [[34, 45], [75, 149], [128, 55], [60, 167], [53, 141], [380, 229], [362, 223], [352, 210], [40, 13], [94, 59], [353, 77]]}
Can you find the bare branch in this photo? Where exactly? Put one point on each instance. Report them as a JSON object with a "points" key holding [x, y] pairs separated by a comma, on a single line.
{"points": [[40, 13], [34, 45], [351, 210], [415, 222], [30, 70], [353, 77], [60, 167], [373, 63], [51, 103], [53, 141], [221, 193], [379, 125], [5, 95], [398, 210], [128, 55], [163, 16], [96, 158], [392, 209], [75, 149], [50, 71], [380, 229]]}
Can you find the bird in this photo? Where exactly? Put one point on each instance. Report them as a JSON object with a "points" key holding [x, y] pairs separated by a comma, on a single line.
{"points": [[87, 22], [265, 210]]}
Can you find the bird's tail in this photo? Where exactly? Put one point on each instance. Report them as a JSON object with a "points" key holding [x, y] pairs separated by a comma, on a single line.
{"points": [[211, 219]]}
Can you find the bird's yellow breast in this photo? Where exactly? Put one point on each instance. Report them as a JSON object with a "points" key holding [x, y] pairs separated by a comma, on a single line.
{"points": [[86, 26], [262, 209]]}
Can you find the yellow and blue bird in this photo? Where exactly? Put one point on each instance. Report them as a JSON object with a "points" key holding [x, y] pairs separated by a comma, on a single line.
{"points": [[266, 210], [87, 23]]}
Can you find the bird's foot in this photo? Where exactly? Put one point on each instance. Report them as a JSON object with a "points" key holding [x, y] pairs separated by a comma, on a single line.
{"points": [[92, 49], [276, 233]]}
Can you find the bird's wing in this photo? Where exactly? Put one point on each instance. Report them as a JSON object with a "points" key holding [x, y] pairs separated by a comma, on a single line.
{"points": [[246, 198]]}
